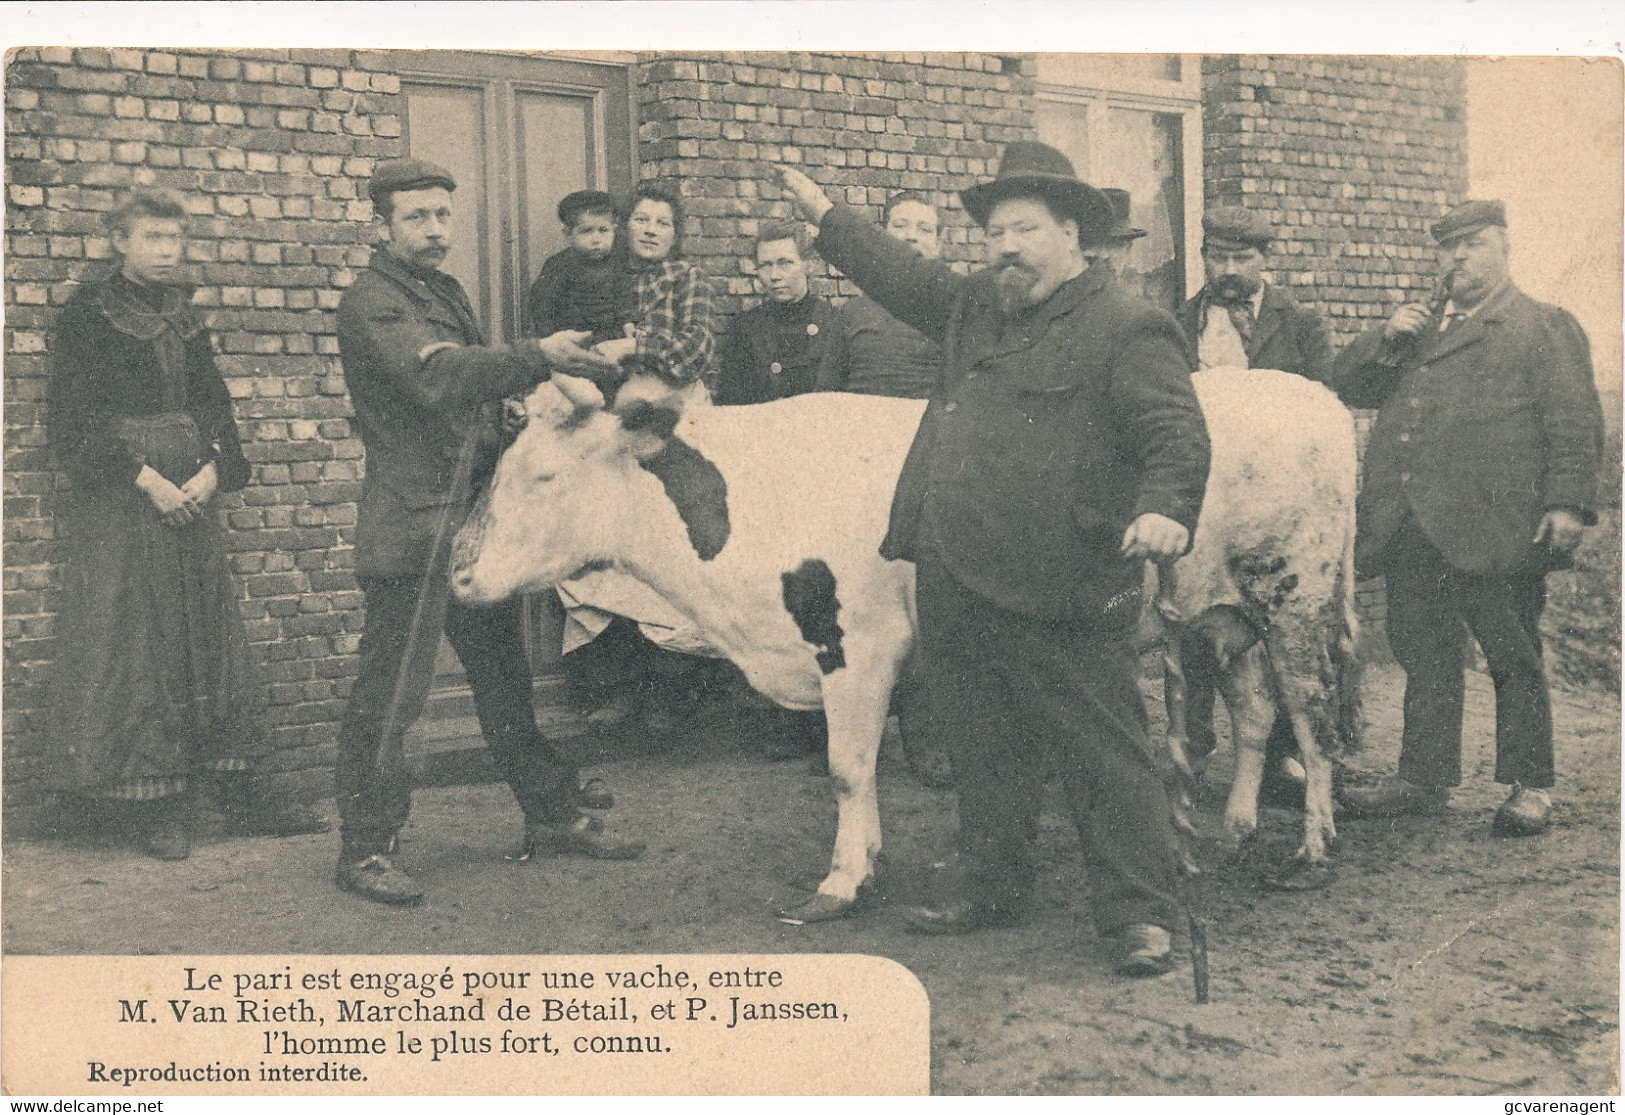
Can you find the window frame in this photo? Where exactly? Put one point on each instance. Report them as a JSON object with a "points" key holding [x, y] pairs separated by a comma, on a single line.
{"points": [[1182, 98]]}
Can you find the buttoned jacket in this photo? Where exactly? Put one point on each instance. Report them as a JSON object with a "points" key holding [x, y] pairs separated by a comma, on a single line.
{"points": [[419, 374], [775, 351], [1482, 428], [1049, 432]]}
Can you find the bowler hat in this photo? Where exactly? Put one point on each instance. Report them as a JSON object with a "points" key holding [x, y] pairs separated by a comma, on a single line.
{"points": [[1122, 210], [1030, 169], [396, 175], [1233, 229], [1467, 218]]}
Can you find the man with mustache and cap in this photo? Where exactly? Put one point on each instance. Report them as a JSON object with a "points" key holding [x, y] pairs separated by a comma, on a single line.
{"points": [[1240, 321], [426, 389], [1062, 445], [1480, 474]]}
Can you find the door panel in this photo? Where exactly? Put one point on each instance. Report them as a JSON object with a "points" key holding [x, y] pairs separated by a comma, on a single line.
{"points": [[518, 132], [556, 157]]}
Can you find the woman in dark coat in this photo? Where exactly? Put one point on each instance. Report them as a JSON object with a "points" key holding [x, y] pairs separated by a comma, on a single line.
{"points": [[153, 689]]}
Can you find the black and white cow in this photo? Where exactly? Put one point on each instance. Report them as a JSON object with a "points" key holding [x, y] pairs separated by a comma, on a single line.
{"points": [[762, 524]]}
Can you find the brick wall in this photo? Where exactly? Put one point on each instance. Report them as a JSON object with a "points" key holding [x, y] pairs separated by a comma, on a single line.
{"points": [[863, 125], [1352, 157], [271, 150]]}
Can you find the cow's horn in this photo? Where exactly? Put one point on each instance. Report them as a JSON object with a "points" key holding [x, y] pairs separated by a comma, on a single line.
{"points": [[582, 393]]}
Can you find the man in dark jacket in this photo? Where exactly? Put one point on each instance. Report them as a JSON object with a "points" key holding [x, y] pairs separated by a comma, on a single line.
{"points": [[1238, 320], [1480, 473], [425, 388], [1064, 443], [774, 351]]}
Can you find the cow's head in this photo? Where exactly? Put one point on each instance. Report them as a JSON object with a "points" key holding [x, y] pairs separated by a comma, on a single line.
{"points": [[558, 502]]}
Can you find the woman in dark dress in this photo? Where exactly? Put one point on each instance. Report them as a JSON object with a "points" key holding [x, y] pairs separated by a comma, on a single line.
{"points": [[153, 691]]}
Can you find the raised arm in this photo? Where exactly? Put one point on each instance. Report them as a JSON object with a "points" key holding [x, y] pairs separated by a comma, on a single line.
{"points": [[912, 289]]}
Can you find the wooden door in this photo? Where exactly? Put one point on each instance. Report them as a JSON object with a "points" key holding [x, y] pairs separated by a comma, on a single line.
{"points": [[518, 133]]}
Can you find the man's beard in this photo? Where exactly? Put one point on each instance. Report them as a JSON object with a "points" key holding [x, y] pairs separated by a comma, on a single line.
{"points": [[1014, 284]]}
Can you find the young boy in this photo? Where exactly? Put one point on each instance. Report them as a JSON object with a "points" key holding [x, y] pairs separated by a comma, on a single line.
{"points": [[585, 286]]}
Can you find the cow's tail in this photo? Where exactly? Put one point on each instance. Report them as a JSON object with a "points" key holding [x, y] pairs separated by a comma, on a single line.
{"points": [[1348, 719]]}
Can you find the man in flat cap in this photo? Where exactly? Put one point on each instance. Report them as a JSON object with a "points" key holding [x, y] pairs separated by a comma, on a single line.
{"points": [[426, 389], [1063, 444], [1238, 320], [1480, 473]]}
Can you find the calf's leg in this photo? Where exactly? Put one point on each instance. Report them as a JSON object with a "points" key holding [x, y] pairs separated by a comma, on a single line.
{"points": [[1250, 697]]}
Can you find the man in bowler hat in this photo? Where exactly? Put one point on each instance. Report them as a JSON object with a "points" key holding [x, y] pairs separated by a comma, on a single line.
{"points": [[1063, 445], [1480, 474], [426, 389]]}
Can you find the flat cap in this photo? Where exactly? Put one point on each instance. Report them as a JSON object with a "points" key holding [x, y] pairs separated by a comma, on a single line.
{"points": [[1236, 229], [1467, 218], [408, 174]]}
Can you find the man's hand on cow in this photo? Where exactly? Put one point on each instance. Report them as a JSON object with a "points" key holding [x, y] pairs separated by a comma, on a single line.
{"points": [[1407, 321], [1560, 529], [1155, 537], [808, 195], [564, 352]]}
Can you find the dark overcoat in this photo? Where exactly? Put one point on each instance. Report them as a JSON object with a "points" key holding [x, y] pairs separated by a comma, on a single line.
{"points": [[419, 374], [775, 351], [1482, 429], [1286, 337], [1049, 433]]}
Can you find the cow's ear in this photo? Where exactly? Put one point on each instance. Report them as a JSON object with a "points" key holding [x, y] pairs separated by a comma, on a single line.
{"points": [[648, 426]]}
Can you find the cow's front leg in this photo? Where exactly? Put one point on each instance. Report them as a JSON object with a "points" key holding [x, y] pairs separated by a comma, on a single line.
{"points": [[1250, 697], [855, 707]]}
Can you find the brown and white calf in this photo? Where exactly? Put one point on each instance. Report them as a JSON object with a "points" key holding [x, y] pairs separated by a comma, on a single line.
{"points": [[1267, 588]]}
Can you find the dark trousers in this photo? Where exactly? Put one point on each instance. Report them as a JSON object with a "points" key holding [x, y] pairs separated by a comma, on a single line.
{"points": [[1012, 693], [1429, 601], [375, 798]]}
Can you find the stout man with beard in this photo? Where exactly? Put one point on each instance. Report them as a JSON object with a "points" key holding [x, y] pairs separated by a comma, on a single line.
{"points": [[1063, 444]]}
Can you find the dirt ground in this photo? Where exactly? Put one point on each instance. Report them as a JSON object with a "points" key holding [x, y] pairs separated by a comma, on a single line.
{"points": [[1441, 960]]}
